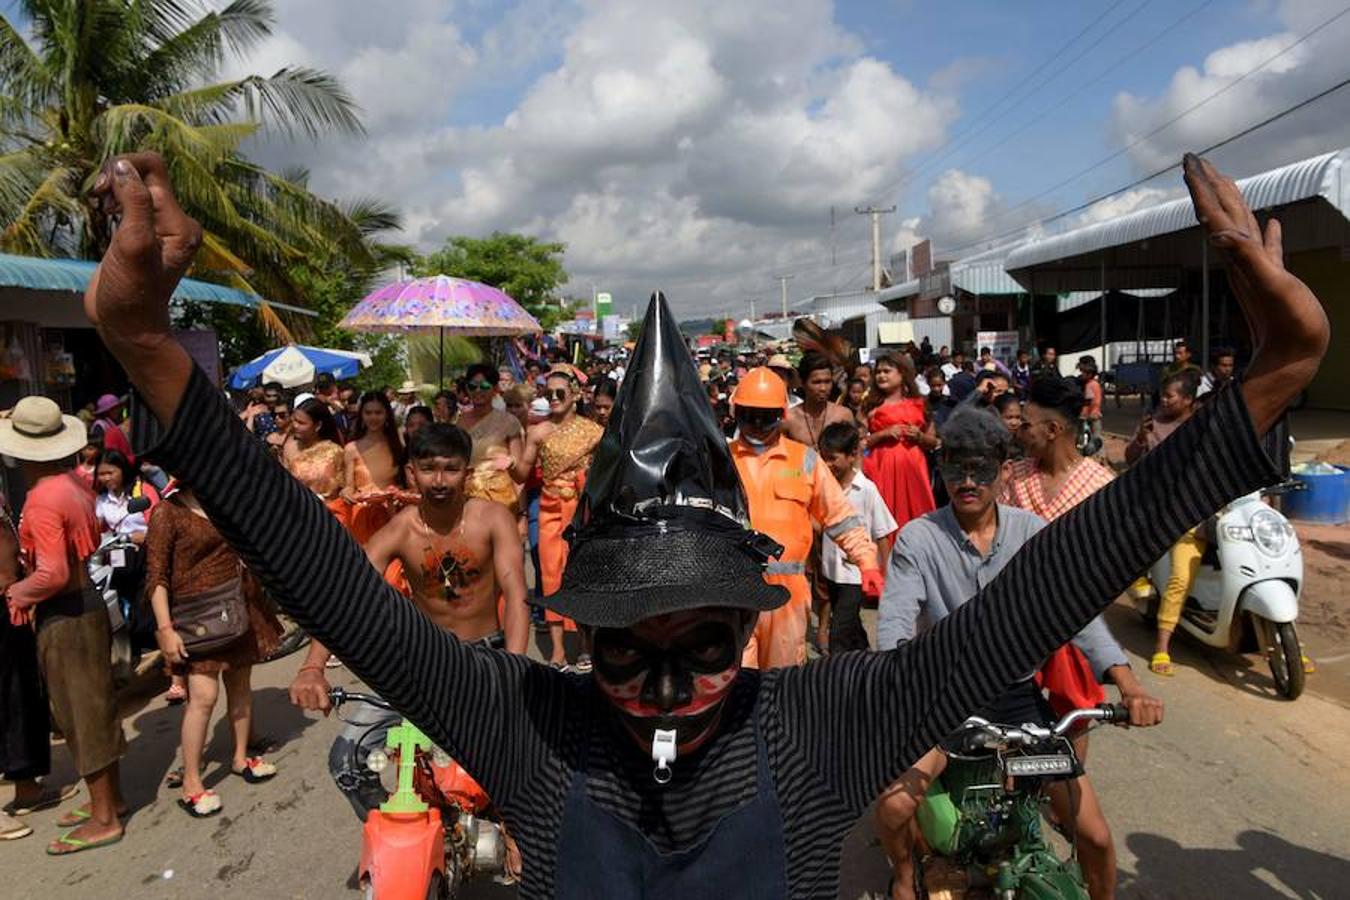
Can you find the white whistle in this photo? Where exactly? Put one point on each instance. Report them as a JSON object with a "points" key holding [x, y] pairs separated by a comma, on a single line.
{"points": [[663, 754]]}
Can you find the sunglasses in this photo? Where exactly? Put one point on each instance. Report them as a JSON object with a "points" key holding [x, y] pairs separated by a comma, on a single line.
{"points": [[480, 385], [957, 473], [758, 418], [559, 394]]}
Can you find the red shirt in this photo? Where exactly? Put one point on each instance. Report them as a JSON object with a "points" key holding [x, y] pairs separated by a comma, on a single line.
{"points": [[57, 531]]}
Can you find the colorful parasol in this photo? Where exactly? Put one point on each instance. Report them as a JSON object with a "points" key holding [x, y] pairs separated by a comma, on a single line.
{"points": [[441, 304]]}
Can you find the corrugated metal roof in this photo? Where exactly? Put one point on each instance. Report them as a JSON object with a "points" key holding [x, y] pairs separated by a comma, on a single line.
{"points": [[984, 278], [842, 307], [72, 275], [896, 291], [1320, 176], [1075, 299], [984, 272]]}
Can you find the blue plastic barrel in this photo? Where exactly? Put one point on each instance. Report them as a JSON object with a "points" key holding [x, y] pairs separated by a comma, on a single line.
{"points": [[1326, 501]]}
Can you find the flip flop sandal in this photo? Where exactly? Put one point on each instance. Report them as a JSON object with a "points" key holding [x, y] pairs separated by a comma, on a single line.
{"points": [[174, 780], [1308, 665], [1161, 664], [66, 845], [74, 818], [175, 695], [203, 805], [50, 797], [257, 770], [79, 815]]}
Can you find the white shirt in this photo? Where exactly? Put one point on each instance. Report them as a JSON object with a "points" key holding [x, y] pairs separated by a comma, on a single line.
{"points": [[866, 501], [949, 370], [112, 513]]}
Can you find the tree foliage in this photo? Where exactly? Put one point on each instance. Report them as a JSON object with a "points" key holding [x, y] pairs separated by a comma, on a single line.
{"points": [[529, 270], [105, 77]]}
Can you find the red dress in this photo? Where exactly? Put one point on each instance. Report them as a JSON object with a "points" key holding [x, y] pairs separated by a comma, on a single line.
{"points": [[899, 468]]}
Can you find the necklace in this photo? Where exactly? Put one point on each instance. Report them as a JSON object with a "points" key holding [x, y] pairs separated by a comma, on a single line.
{"points": [[819, 422]]}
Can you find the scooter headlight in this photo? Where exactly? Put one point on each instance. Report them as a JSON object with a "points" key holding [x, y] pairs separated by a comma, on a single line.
{"points": [[1270, 531], [377, 761]]}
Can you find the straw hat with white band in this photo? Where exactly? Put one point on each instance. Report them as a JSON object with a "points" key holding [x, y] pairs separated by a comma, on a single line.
{"points": [[37, 431]]}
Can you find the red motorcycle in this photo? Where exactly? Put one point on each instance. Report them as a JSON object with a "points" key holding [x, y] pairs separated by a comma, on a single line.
{"points": [[435, 831]]}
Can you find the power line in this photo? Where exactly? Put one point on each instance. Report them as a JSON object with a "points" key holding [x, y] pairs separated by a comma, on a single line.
{"points": [[1169, 123], [979, 122], [1163, 171], [1059, 104]]}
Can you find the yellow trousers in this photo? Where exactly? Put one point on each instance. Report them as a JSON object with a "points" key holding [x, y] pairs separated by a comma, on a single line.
{"points": [[1185, 559]]}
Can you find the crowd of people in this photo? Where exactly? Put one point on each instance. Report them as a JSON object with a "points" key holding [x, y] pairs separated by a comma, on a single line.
{"points": [[690, 547], [862, 444]]}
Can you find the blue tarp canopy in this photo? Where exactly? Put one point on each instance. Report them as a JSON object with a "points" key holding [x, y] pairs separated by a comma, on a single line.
{"points": [[73, 275]]}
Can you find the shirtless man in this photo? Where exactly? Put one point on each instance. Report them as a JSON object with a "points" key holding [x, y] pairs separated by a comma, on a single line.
{"points": [[458, 555], [805, 421]]}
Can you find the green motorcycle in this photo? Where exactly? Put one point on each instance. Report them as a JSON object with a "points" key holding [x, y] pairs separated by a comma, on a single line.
{"points": [[981, 818]]}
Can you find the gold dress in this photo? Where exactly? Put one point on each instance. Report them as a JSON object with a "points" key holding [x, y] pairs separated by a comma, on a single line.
{"points": [[490, 478], [564, 457]]}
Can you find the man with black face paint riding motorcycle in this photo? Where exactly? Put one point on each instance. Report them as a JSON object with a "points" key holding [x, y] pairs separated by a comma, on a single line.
{"points": [[753, 799]]}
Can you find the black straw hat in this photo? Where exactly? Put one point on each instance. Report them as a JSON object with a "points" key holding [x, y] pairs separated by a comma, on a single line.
{"points": [[663, 524]]}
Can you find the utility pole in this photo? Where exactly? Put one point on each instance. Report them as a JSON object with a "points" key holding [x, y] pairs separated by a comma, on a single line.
{"points": [[876, 214], [782, 283]]}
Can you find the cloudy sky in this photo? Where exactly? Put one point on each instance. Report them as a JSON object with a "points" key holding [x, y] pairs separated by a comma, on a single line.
{"points": [[699, 145]]}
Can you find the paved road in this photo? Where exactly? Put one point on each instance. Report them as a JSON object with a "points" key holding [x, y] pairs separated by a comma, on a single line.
{"points": [[1239, 795]]}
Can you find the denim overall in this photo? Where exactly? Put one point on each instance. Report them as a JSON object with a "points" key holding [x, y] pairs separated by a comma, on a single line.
{"points": [[742, 857]]}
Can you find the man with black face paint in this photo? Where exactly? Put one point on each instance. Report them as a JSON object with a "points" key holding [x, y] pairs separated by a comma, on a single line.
{"points": [[765, 772], [788, 488]]}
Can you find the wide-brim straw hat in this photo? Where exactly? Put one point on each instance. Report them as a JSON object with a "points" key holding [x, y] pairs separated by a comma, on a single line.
{"points": [[37, 431]]}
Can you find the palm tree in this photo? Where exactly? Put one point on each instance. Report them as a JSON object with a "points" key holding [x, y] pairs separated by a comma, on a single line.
{"points": [[96, 78]]}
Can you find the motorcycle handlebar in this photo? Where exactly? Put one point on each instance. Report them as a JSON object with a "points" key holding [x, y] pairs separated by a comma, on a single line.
{"points": [[338, 696], [1107, 712]]}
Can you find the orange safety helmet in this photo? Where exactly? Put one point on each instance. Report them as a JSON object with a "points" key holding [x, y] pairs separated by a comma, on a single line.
{"points": [[761, 388]]}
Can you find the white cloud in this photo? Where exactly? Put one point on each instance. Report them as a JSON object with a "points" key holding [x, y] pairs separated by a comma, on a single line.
{"points": [[670, 145], [1293, 76], [1127, 202]]}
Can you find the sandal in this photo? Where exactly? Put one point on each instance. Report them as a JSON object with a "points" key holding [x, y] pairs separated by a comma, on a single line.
{"points": [[176, 694], [50, 797], [256, 770], [1161, 664], [1308, 665], [66, 845], [12, 829], [174, 780], [203, 805], [81, 814]]}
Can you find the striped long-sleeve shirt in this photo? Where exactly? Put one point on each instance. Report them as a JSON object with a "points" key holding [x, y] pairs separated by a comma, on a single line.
{"points": [[837, 731]]}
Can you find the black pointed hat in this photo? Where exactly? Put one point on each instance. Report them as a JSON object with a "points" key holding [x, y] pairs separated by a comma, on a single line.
{"points": [[663, 523]]}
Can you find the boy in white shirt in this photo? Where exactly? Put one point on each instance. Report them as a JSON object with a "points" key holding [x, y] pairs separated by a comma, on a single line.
{"points": [[840, 449]]}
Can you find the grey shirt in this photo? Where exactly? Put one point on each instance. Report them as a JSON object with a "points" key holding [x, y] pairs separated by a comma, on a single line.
{"points": [[935, 569]]}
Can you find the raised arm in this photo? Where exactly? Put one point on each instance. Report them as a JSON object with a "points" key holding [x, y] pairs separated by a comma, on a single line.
{"points": [[884, 710], [283, 532], [524, 463]]}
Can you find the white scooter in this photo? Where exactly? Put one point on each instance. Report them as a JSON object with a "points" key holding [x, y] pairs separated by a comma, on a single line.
{"points": [[1251, 573]]}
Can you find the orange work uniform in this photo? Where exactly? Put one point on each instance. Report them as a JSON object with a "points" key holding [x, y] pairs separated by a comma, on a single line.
{"points": [[788, 487]]}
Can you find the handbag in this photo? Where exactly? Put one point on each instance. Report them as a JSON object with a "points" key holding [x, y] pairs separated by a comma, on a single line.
{"points": [[213, 618]]}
